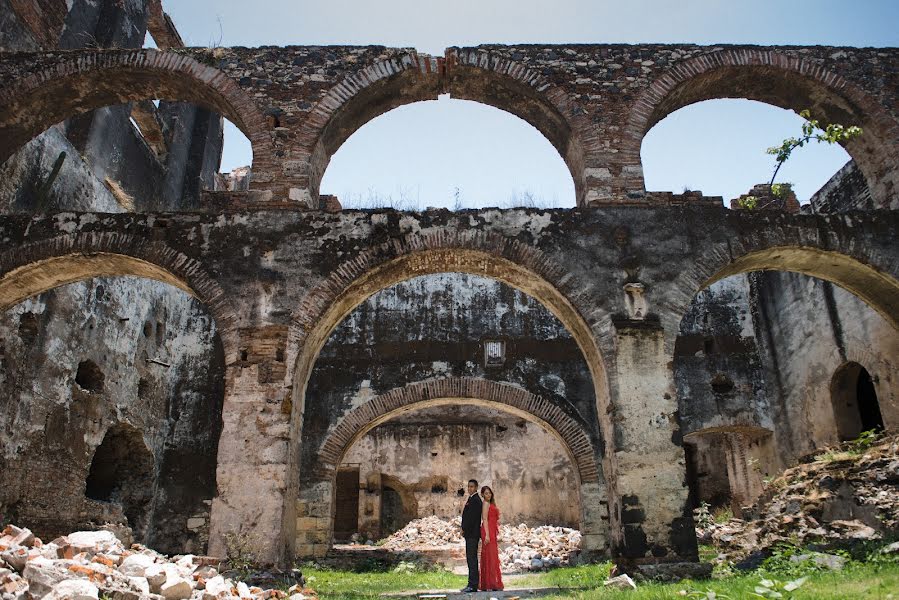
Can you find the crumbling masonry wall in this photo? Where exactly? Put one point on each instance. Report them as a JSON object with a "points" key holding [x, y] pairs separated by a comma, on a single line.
{"points": [[434, 452], [156, 347], [619, 273], [437, 327]]}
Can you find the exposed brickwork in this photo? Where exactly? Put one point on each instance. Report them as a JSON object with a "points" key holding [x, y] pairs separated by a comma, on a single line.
{"points": [[594, 103], [32, 268], [362, 418], [40, 93]]}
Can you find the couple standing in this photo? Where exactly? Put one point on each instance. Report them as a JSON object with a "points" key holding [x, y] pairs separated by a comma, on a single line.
{"points": [[480, 522]]}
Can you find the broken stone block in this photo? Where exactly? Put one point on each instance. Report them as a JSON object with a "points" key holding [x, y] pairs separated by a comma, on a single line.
{"points": [[621, 582], [176, 588], [136, 565], [15, 558], [74, 589], [156, 576], [93, 542], [43, 574]]}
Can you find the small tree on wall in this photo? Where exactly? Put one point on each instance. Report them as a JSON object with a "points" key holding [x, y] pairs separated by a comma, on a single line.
{"points": [[834, 133]]}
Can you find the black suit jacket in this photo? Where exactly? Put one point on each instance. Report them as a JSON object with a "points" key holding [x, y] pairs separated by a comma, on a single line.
{"points": [[471, 517]]}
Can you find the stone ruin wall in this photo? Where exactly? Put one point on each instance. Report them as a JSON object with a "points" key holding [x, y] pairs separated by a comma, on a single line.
{"points": [[433, 458], [771, 410], [157, 348], [775, 341], [433, 327]]}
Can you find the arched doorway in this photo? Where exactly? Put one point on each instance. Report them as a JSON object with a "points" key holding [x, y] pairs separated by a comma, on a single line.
{"points": [[855, 405]]}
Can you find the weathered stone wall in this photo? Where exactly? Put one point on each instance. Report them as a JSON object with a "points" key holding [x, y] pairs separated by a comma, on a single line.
{"points": [[432, 327], [619, 273], [811, 328], [594, 103], [162, 374], [756, 359], [435, 451], [53, 427]]}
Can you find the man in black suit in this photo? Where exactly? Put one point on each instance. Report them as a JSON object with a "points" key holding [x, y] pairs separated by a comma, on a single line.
{"points": [[471, 531]]}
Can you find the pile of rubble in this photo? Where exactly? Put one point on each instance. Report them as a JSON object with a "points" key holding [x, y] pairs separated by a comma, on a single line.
{"points": [[428, 532], [522, 548], [87, 564], [835, 499]]}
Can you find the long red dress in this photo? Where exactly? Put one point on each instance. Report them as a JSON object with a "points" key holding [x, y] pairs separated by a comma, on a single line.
{"points": [[490, 576]]}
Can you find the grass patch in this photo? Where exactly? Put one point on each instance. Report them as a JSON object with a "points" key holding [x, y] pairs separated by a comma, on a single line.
{"points": [[863, 581]]}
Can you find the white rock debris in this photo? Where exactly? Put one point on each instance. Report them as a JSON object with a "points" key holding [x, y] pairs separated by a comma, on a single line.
{"points": [[87, 564], [522, 548]]}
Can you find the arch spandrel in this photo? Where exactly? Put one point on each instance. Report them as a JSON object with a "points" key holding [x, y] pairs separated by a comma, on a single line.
{"points": [[41, 265]]}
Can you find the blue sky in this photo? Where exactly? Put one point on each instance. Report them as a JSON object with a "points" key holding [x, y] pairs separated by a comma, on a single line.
{"points": [[433, 153]]}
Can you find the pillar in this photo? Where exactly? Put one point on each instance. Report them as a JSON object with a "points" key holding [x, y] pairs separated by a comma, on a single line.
{"points": [[255, 501], [650, 493]]}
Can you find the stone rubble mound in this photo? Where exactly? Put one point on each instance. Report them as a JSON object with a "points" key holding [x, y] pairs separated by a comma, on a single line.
{"points": [[522, 548], [839, 497], [87, 564]]}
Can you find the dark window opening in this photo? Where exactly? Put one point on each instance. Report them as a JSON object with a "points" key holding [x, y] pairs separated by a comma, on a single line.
{"points": [[121, 472], [29, 327], [722, 384], [89, 377]]}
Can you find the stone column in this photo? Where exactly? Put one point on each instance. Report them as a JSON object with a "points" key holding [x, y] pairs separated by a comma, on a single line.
{"points": [[594, 520], [650, 488], [254, 505]]}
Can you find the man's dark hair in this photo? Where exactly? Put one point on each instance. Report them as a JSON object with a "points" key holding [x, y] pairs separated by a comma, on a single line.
{"points": [[474, 481]]}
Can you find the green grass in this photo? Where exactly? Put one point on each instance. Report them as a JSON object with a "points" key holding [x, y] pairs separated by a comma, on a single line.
{"points": [[348, 585], [864, 581]]}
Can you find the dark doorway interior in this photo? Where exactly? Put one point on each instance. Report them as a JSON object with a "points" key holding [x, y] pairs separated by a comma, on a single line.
{"points": [[346, 516], [855, 404], [868, 407]]}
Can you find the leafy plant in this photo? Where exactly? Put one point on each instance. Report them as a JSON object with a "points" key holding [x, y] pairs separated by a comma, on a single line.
{"points": [[749, 202], [773, 588], [864, 441], [834, 133], [703, 515]]}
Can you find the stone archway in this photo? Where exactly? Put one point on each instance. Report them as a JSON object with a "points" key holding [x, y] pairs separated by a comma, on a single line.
{"points": [[855, 404], [317, 499], [52, 92], [40, 266], [784, 81], [464, 74], [522, 267]]}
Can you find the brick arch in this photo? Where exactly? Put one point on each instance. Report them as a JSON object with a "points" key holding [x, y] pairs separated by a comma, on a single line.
{"points": [[472, 74], [786, 81], [68, 84], [862, 267], [519, 265], [461, 390], [37, 267]]}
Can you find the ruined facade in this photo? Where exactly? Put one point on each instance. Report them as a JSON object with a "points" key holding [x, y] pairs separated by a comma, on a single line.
{"points": [[670, 357]]}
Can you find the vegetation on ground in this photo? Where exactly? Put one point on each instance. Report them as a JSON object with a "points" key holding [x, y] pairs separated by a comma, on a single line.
{"points": [[878, 578]]}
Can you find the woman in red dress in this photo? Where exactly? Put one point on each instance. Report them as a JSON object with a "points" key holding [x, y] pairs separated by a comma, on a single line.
{"points": [[491, 578]]}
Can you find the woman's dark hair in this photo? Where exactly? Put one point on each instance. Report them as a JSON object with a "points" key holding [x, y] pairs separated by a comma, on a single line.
{"points": [[492, 495]]}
